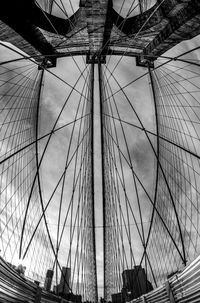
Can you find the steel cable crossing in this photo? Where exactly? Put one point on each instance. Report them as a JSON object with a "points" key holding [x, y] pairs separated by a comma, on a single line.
{"points": [[176, 89], [21, 153], [150, 172]]}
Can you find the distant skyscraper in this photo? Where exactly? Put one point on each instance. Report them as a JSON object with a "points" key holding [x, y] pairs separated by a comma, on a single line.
{"points": [[135, 282], [117, 298], [63, 287], [48, 280]]}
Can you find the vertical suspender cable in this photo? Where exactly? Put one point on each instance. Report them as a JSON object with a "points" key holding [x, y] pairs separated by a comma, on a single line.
{"points": [[103, 171], [157, 151], [92, 175]]}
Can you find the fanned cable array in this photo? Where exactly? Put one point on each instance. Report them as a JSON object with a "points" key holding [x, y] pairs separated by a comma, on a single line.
{"points": [[128, 183], [48, 223], [20, 87], [177, 101], [151, 171], [148, 146], [74, 195]]}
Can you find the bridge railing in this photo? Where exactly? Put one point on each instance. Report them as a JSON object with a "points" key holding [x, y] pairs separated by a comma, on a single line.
{"points": [[183, 287], [15, 288]]}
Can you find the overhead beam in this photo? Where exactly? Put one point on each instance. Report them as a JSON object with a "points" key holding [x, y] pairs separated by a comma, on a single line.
{"points": [[20, 29], [96, 29], [182, 22]]}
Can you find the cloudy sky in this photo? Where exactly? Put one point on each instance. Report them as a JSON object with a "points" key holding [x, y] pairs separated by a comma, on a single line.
{"points": [[141, 153], [54, 94]]}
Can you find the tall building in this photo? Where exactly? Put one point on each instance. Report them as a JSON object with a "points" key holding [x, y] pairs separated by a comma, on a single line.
{"points": [[48, 280], [117, 298], [63, 287], [135, 283], [65, 280]]}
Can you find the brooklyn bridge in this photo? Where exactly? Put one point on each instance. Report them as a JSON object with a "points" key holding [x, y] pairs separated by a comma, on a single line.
{"points": [[100, 151]]}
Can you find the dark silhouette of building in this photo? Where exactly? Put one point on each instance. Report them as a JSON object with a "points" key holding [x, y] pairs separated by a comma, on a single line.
{"points": [[48, 280], [21, 269], [73, 298], [135, 283], [117, 298], [63, 287]]}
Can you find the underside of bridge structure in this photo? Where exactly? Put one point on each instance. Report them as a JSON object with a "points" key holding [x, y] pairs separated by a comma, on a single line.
{"points": [[96, 29]]}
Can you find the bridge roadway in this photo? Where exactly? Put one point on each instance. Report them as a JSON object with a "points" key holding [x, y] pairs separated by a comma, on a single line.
{"points": [[183, 287]]}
